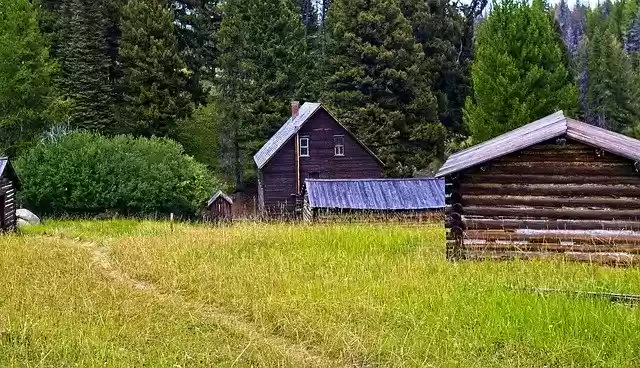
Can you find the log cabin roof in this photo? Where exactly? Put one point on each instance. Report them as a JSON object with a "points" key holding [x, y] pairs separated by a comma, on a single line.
{"points": [[7, 171], [549, 127], [290, 128], [376, 194], [219, 194]]}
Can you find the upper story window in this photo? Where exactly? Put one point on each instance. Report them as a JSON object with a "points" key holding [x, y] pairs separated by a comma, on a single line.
{"points": [[304, 146], [338, 145]]}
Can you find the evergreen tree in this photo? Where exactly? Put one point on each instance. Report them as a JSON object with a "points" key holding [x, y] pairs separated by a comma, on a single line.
{"points": [[612, 98], [520, 72], [632, 43], [310, 18], [438, 27], [85, 64], [154, 95], [325, 5], [262, 65], [28, 99], [630, 10], [197, 26], [376, 84]]}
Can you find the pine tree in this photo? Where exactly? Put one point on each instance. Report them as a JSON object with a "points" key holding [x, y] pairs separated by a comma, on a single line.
{"points": [[565, 20], [438, 27], [325, 5], [376, 85], [262, 64], [310, 17], [632, 43], [197, 26], [154, 95], [612, 98], [85, 64], [520, 72], [28, 98]]}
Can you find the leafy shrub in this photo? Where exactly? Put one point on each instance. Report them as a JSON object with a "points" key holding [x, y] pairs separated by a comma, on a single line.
{"points": [[86, 173]]}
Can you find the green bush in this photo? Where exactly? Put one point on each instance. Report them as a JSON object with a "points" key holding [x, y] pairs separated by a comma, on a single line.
{"points": [[84, 173]]}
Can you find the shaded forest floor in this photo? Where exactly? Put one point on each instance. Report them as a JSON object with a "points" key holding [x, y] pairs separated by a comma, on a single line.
{"points": [[131, 293]]}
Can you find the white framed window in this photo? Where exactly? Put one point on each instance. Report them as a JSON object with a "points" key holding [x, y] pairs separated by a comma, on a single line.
{"points": [[304, 146], [338, 145]]}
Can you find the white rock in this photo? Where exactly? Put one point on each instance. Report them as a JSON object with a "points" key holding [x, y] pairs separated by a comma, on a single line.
{"points": [[29, 217], [22, 223]]}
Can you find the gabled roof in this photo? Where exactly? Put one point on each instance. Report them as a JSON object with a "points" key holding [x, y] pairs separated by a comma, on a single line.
{"points": [[290, 128], [549, 127], [6, 170], [219, 194], [376, 194]]}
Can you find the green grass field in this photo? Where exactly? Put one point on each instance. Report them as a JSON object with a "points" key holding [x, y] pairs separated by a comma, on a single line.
{"points": [[129, 293]]}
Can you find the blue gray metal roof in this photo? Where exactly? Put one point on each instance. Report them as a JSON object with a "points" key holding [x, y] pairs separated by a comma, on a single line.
{"points": [[376, 194], [282, 136], [219, 194], [549, 127]]}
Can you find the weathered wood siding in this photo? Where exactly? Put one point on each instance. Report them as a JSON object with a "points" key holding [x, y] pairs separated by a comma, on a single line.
{"points": [[220, 211], [322, 215], [8, 191], [278, 177], [564, 190]]}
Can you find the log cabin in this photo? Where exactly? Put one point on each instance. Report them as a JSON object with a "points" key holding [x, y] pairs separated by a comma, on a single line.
{"points": [[413, 199], [9, 184], [555, 188], [311, 144]]}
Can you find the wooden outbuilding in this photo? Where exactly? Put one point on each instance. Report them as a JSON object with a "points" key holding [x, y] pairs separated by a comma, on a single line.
{"points": [[311, 144], [219, 208], [9, 184], [419, 199], [554, 188]]}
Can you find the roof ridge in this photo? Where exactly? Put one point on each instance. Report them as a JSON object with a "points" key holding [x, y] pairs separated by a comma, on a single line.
{"points": [[532, 133], [284, 133], [558, 113]]}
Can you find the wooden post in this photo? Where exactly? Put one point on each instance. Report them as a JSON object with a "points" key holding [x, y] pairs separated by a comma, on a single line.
{"points": [[171, 221], [297, 156]]}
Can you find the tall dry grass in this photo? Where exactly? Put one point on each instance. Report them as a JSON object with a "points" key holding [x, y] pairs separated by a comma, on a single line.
{"points": [[382, 295]]}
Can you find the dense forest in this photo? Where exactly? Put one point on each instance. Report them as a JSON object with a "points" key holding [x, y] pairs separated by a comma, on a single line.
{"points": [[415, 79]]}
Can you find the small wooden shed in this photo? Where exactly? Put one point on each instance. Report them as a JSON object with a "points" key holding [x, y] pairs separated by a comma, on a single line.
{"points": [[554, 188], [373, 199], [9, 184], [219, 208]]}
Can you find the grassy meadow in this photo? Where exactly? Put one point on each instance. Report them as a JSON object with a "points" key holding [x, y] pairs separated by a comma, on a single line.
{"points": [[136, 293]]}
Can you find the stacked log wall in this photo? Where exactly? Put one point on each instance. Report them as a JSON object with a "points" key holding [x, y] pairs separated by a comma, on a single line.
{"points": [[8, 190], [551, 199]]}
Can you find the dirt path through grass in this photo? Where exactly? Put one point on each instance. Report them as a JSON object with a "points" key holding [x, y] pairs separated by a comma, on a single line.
{"points": [[234, 324]]}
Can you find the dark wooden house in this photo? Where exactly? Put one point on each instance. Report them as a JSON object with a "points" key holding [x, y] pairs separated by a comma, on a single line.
{"points": [[311, 144], [219, 208], [9, 184], [554, 188], [417, 199]]}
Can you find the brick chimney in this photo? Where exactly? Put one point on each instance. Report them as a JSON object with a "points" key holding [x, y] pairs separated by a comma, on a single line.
{"points": [[295, 107]]}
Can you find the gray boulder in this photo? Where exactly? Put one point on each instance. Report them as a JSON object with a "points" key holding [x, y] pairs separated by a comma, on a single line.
{"points": [[22, 223], [27, 216]]}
